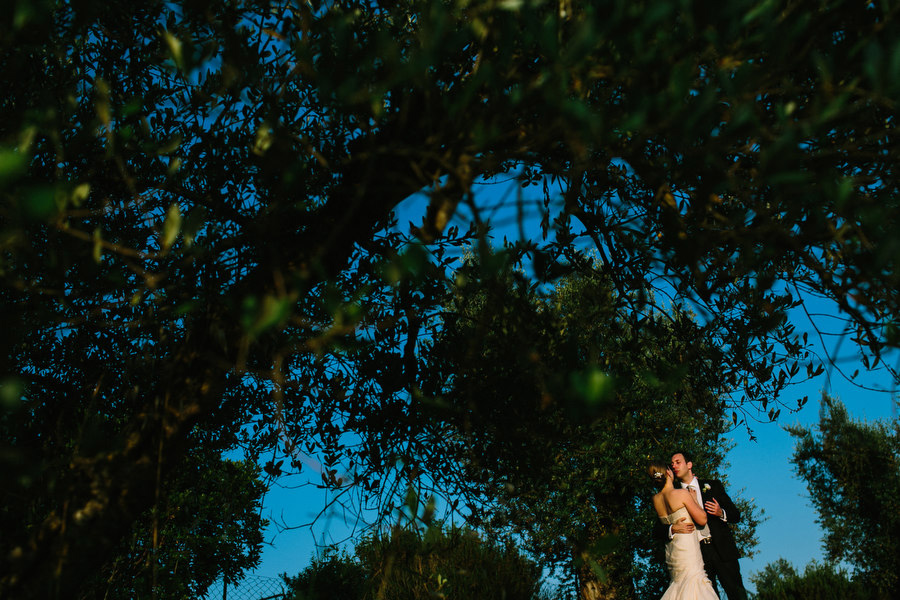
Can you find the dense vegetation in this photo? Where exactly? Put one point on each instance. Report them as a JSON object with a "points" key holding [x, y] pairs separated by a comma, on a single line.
{"points": [[198, 249], [781, 581], [852, 470], [409, 565], [548, 403]]}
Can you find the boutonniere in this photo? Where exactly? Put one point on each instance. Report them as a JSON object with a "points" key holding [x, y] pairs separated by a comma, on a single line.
{"points": [[705, 487]]}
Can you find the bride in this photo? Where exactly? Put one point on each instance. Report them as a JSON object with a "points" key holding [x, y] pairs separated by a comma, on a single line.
{"points": [[688, 577]]}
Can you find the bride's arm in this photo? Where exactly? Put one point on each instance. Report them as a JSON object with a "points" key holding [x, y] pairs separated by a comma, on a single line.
{"points": [[695, 510]]}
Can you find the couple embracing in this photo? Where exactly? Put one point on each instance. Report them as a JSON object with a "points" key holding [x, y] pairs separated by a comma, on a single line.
{"points": [[694, 516]]}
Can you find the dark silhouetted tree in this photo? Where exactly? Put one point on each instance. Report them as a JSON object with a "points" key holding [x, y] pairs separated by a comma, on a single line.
{"points": [[198, 247]]}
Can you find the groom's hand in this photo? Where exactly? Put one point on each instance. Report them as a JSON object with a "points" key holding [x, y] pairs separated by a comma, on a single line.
{"points": [[682, 527], [713, 508]]}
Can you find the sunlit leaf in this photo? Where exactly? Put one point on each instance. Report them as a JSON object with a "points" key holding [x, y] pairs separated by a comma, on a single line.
{"points": [[97, 247], [175, 48], [171, 227]]}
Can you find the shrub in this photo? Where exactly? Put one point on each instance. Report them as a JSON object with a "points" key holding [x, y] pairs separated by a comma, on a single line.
{"points": [[780, 581], [406, 565], [332, 576]]}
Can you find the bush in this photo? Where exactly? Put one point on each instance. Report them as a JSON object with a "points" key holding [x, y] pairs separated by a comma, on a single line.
{"points": [[405, 565], [455, 563], [780, 581], [333, 576]]}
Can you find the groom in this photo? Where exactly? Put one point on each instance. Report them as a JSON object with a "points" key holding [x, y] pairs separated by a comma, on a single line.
{"points": [[720, 553]]}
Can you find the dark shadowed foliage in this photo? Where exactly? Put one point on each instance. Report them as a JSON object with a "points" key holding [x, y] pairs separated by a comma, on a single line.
{"points": [[198, 249]]}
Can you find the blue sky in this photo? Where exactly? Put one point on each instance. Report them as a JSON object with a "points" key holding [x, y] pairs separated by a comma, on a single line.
{"points": [[763, 469], [760, 468]]}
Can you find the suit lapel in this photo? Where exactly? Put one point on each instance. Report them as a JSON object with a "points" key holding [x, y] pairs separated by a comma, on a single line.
{"points": [[704, 494]]}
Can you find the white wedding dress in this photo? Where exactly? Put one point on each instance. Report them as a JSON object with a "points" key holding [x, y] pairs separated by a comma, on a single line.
{"points": [[689, 580]]}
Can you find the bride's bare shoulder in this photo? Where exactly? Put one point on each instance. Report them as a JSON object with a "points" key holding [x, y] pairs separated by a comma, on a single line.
{"points": [[674, 499], [677, 493]]}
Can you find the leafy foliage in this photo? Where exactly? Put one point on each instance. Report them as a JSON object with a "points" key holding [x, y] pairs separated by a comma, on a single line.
{"points": [[554, 404], [852, 471], [206, 528], [452, 563], [780, 581], [332, 575], [198, 247]]}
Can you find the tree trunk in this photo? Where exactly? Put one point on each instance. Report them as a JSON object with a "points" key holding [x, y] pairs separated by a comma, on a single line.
{"points": [[591, 586]]}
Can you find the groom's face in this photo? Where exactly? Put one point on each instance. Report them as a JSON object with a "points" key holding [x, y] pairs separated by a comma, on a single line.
{"points": [[680, 467]]}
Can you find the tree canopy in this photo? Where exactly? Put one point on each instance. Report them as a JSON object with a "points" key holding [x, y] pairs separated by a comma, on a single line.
{"points": [[554, 404], [852, 471], [198, 241], [205, 527]]}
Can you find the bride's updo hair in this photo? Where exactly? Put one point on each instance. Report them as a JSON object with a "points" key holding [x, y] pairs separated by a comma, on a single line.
{"points": [[657, 472]]}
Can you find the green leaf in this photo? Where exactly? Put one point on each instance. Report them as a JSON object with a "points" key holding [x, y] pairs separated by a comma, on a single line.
{"points": [[12, 165], [98, 245], [758, 11], [598, 570], [171, 227], [274, 310], [175, 48], [593, 386], [265, 136], [12, 391], [79, 194]]}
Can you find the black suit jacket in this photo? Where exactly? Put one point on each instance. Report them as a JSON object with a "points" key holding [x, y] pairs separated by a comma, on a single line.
{"points": [[722, 536]]}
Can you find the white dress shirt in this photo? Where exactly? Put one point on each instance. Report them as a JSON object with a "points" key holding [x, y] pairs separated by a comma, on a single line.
{"points": [[696, 485], [699, 496], [704, 532]]}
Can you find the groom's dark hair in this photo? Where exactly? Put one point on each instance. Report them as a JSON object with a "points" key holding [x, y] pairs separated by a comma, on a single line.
{"points": [[687, 455]]}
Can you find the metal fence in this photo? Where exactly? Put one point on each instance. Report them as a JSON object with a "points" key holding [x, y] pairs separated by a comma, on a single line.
{"points": [[250, 588]]}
